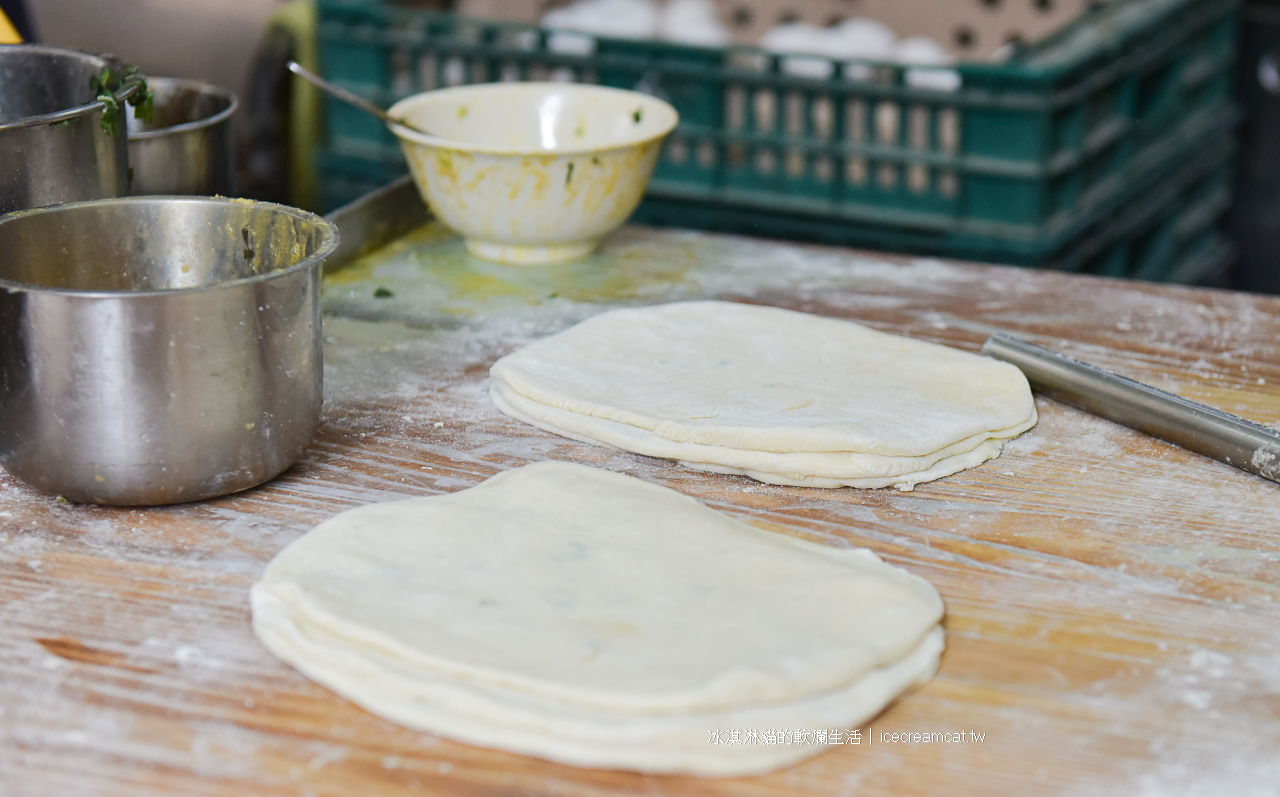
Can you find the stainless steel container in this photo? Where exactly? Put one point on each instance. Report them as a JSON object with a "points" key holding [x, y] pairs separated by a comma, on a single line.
{"points": [[187, 146], [52, 145], [159, 349]]}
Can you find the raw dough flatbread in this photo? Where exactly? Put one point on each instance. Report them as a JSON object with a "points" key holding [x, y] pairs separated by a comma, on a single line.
{"points": [[598, 589], [767, 379], [551, 603], [784, 397], [491, 716], [800, 469]]}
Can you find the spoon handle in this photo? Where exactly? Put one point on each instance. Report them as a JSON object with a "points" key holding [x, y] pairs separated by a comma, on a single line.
{"points": [[338, 92]]}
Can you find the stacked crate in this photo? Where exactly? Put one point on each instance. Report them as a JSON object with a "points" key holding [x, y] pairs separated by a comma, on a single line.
{"points": [[1104, 147], [968, 28]]}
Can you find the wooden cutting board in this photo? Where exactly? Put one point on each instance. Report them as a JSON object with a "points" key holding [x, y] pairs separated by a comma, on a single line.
{"points": [[1113, 621]]}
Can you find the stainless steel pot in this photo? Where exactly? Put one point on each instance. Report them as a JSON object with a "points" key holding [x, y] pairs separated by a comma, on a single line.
{"points": [[187, 146], [52, 145], [159, 349]]}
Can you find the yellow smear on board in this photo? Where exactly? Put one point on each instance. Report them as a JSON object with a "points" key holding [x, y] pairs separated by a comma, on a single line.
{"points": [[432, 262], [471, 284], [428, 235]]}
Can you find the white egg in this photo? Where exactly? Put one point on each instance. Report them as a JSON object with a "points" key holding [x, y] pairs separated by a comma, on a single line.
{"points": [[692, 22], [933, 78], [795, 37], [921, 51], [630, 19], [862, 38], [800, 37]]}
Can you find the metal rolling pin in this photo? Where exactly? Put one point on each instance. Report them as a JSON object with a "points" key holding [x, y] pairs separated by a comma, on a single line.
{"points": [[1190, 424]]}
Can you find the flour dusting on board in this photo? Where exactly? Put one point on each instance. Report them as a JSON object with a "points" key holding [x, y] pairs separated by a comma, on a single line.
{"points": [[1123, 594], [1210, 754]]}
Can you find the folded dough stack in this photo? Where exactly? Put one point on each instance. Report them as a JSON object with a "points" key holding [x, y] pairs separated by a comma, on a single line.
{"points": [[594, 619], [780, 396]]}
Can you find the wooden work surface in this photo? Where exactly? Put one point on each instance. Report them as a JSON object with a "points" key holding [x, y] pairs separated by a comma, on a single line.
{"points": [[1113, 618]]}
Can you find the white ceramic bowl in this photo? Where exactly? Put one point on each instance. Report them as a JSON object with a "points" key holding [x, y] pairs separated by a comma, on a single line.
{"points": [[533, 172]]}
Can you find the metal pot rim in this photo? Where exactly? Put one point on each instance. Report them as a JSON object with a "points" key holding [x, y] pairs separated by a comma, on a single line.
{"points": [[208, 121], [328, 244], [70, 113]]}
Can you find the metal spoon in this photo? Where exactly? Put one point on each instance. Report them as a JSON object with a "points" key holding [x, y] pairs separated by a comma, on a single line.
{"points": [[339, 93]]}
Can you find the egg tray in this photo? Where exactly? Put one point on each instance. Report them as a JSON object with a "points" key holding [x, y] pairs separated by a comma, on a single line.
{"points": [[967, 28], [1019, 161]]}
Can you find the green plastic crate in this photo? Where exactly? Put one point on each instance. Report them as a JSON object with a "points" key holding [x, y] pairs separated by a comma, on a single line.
{"points": [[1023, 160], [1167, 231]]}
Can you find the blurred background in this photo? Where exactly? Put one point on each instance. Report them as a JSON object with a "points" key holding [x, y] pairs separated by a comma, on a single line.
{"points": [[242, 45], [211, 40]]}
